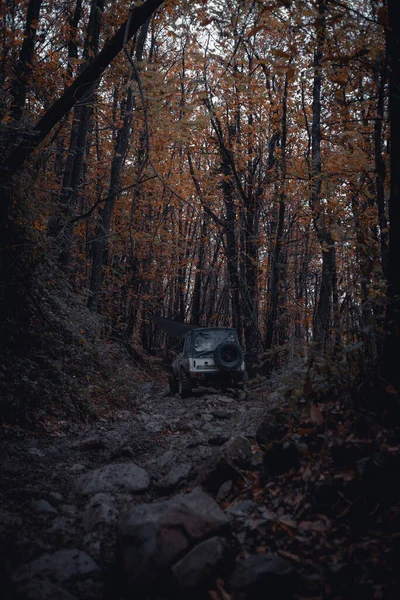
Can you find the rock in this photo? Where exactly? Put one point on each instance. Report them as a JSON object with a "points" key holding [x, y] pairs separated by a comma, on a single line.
{"points": [[78, 468], [99, 510], [175, 477], [207, 417], [41, 590], [56, 497], [223, 399], [279, 458], [218, 470], [92, 545], [165, 392], [61, 566], [69, 510], [44, 507], [224, 466], [238, 450], [254, 575], [183, 426], [269, 430], [200, 566], [126, 477], [224, 491], [147, 386], [36, 453], [90, 443], [218, 440], [151, 537], [162, 461], [125, 452], [222, 414]]}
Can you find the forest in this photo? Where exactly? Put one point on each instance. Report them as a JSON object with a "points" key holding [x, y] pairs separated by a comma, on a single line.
{"points": [[216, 163], [225, 163]]}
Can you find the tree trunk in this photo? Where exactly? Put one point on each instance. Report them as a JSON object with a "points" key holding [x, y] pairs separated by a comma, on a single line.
{"points": [[25, 62], [121, 146], [380, 78], [323, 309], [392, 324], [277, 259], [62, 227]]}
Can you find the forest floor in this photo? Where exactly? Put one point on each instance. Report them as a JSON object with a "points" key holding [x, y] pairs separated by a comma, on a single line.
{"points": [[310, 498]]}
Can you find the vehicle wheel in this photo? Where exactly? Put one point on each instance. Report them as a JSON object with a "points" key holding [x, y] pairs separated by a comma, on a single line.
{"points": [[228, 356], [173, 385], [184, 385]]}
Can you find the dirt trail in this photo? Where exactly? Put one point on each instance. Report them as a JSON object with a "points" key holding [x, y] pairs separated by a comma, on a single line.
{"points": [[46, 508]]}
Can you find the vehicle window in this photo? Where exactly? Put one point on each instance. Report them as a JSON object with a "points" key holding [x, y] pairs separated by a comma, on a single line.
{"points": [[207, 341]]}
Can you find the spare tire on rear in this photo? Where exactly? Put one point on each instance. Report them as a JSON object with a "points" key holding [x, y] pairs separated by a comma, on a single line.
{"points": [[228, 356]]}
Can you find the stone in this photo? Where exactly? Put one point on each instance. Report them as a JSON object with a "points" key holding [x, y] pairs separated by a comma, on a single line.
{"points": [[162, 461], [78, 468], [125, 452], [36, 452], [42, 590], [44, 507], [202, 564], [218, 440], [90, 443], [126, 477], [223, 399], [254, 575], [233, 455], [68, 510], [99, 510], [147, 386], [56, 497], [216, 471], [151, 537], [61, 566], [224, 491], [174, 478], [279, 458], [238, 450], [269, 430], [221, 414]]}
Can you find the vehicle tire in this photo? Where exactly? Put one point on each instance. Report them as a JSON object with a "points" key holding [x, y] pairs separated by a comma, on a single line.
{"points": [[184, 385], [228, 356], [173, 385]]}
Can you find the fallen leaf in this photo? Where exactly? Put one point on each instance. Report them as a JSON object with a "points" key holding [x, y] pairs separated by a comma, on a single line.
{"points": [[316, 415]]}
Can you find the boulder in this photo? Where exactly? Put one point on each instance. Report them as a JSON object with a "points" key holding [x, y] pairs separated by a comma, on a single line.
{"points": [[225, 465], [152, 537], [61, 566], [99, 510], [125, 477], [279, 458], [257, 577], [175, 477], [199, 567], [41, 590], [238, 450], [43, 507], [269, 430]]}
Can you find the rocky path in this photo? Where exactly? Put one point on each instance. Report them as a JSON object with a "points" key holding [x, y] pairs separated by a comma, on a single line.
{"points": [[62, 499]]}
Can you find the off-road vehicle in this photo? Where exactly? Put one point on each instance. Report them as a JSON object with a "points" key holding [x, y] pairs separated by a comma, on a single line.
{"points": [[209, 356]]}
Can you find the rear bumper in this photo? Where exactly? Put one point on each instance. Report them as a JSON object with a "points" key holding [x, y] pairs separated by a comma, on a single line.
{"points": [[217, 378]]}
